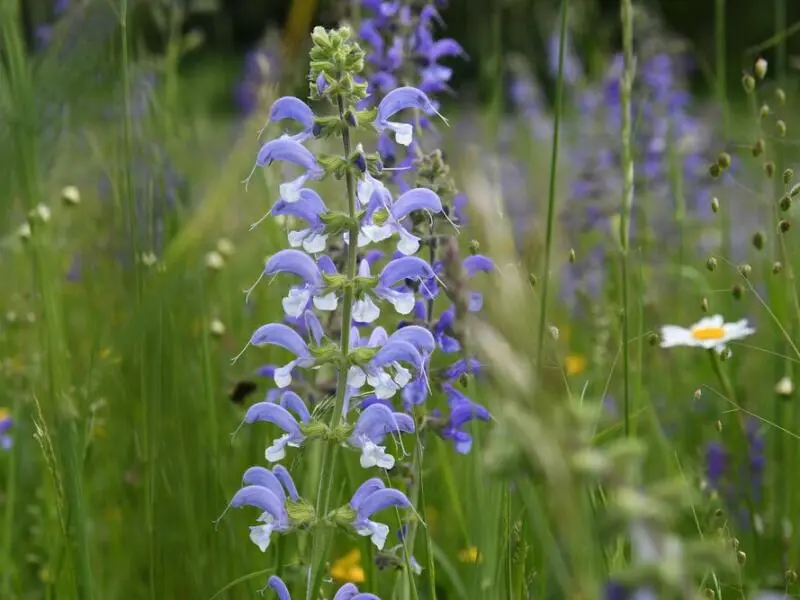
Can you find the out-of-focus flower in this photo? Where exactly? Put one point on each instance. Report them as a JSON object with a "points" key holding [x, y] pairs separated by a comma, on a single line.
{"points": [[6, 422], [348, 568]]}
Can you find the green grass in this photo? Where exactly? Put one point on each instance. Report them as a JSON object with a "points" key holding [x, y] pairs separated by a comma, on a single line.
{"points": [[117, 382]]}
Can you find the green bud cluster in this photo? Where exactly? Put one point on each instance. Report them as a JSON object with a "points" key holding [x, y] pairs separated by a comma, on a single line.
{"points": [[336, 59]]}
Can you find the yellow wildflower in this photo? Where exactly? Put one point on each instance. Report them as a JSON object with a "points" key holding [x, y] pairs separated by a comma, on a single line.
{"points": [[575, 364], [470, 555], [348, 568]]}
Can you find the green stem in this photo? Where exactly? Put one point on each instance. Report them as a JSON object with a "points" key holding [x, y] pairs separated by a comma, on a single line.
{"points": [[327, 472], [626, 84], [551, 196]]}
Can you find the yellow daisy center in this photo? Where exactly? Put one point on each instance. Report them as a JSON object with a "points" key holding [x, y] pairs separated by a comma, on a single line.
{"points": [[708, 333]]}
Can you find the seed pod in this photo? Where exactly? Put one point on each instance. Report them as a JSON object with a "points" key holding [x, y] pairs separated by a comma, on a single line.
{"points": [[715, 204], [571, 255], [758, 147], [758, 240], [769, 169], [780, 95], [745, 270], [714, 170], [724, 160], [784, 225], [788, 176], [711, 263], [780, 126], [777, 267], [785, 203], [748, 83], [737, 291]]}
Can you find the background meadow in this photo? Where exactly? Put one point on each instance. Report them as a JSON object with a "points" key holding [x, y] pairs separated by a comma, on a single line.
{"points": [[610, 467]]}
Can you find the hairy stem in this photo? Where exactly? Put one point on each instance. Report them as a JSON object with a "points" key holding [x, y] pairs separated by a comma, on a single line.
{"points": [[327, 477]]}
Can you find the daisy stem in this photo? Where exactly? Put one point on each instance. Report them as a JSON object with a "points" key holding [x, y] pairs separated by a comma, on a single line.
{"points": [[328, 465]]}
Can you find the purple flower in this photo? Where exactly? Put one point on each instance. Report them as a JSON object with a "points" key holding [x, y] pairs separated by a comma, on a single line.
{"points": [[313, 288], [372, 497], [273, 516], [462, 411], [374, 423], [396, 271], [6, 441], [293, 109], [278, 334], [382, 220], [287, 149], [397, 100], [347, 592], [282, 418]]}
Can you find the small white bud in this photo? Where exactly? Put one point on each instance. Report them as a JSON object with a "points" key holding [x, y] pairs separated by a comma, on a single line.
{"points": [[149, 259], [225, 247], [214, 261], [216, 328], [24, 232], [760, 68], [71, 195], [30, 317], [40, 213], [785, 387], [11, 317], [554, 332]]}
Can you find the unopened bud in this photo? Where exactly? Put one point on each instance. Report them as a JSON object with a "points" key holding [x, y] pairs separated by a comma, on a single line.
{"points": [[748, 83], [718, 425], [784, 225], [784, 387], [726, 354], [790, 576], [216, 328], [741, 557], [40, 213], [737, 291], [474, 246], [714, 170], [24, 232], [769, 169], [780, 96], [214, 261], [745, 270], [780, 127], [785, 203], [554, 333], [760, 68], [724, 160], [225, 247], [788, 176], [698, 393], [715, 204], [350, 118], [571, 255], [758, 147], [758, 240], [70, 195], [764, 111], [711, 263], [704, 305], [777, 267]]}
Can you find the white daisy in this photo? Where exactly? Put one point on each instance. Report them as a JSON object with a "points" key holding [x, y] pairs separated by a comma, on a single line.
{"points": [[708, 332]]}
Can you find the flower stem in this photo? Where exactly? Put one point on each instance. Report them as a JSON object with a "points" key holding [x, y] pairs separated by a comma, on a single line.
{"points": [[328, 464], [551, 196], [626, 84]]}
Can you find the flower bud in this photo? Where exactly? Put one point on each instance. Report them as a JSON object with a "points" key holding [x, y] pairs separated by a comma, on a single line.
{"points": [[532, 279], [350, 118], [41, 213], [715, 204], [784, 225], [214, 261], [748, 83], [769, 169], [785, 387], [724, 160], [785, 203], [571, 255], [788, 176], [653, 339], [704, 305], [225, 247], [474, 247], [790, 576], [554, 332], [70, 195], [24, 232], [758, 147], [737, 291], [216, 328], [780, 96], [718, 425], [795, 190], [745, 270], [758, 240], [698, 394], [726, 354], [764, 111], [780, 127], [714, 170], [741, 557], [760, 68], [711, 263], [777, 267]]}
